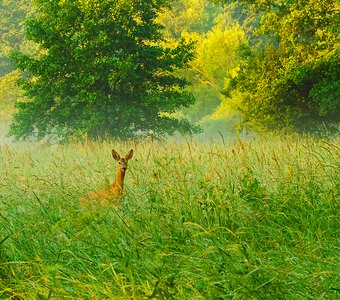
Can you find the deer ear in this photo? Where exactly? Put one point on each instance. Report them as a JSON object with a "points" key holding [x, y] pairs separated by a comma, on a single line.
{"points": [[129, 155], [115, 155]]}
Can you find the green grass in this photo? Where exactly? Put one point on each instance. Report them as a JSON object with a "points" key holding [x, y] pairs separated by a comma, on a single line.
{"points": [[242, 220]]}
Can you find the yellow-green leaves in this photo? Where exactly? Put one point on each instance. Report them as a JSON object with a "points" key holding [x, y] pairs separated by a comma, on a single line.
{"points": [[289, 74]]}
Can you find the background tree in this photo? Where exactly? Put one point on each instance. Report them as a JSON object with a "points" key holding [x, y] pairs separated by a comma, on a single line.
{"points": [[217, 37], [100, 70], [291, 76], [12, 13]]}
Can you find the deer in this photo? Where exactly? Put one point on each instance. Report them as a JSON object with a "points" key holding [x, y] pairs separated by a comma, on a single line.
{"points": [[114, 190]]}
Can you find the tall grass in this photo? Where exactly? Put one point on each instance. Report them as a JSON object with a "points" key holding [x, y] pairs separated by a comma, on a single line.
{"points": [[237, 220]]}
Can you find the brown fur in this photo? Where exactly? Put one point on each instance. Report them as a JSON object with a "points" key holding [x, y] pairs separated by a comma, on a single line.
{"points": [[114, 190]]}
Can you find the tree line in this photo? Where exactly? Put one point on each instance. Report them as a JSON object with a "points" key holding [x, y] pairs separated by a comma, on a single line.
{"points": [[125, 67]]}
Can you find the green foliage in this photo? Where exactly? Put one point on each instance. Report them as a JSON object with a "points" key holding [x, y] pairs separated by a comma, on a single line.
{"points": [[9, 93], [216, 58], [308, 95], [189, 16], [290, 75], [12, 13], [217, 37], [241, 220], [194, 20], [100, 70]]}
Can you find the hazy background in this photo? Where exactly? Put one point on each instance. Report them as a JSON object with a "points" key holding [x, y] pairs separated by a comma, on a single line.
{"points": [[230, 40]]}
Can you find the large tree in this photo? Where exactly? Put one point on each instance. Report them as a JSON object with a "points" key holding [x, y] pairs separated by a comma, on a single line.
{"points": [[290, 75], [101, 70]]}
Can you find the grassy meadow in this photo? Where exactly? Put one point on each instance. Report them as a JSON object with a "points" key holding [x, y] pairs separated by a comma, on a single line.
{"points": [[241, 219]]}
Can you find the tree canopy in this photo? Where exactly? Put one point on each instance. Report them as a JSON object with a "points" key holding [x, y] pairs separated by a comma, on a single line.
{"points": [[100, 70], [290, 74], [121, 68], [217, 37], [12, 13]]}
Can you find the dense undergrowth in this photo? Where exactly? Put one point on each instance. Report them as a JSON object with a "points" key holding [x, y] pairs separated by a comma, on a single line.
{"points": [[244, 219]]}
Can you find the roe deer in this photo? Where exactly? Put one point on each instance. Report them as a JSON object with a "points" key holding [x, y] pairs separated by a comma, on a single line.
{"points": [[116, 188]]}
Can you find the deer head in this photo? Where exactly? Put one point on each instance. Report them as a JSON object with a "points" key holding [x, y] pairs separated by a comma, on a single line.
{"points": [[122, 161]]}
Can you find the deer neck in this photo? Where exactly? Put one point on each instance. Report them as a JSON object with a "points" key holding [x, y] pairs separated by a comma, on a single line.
{"points": [[119, 182]]}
